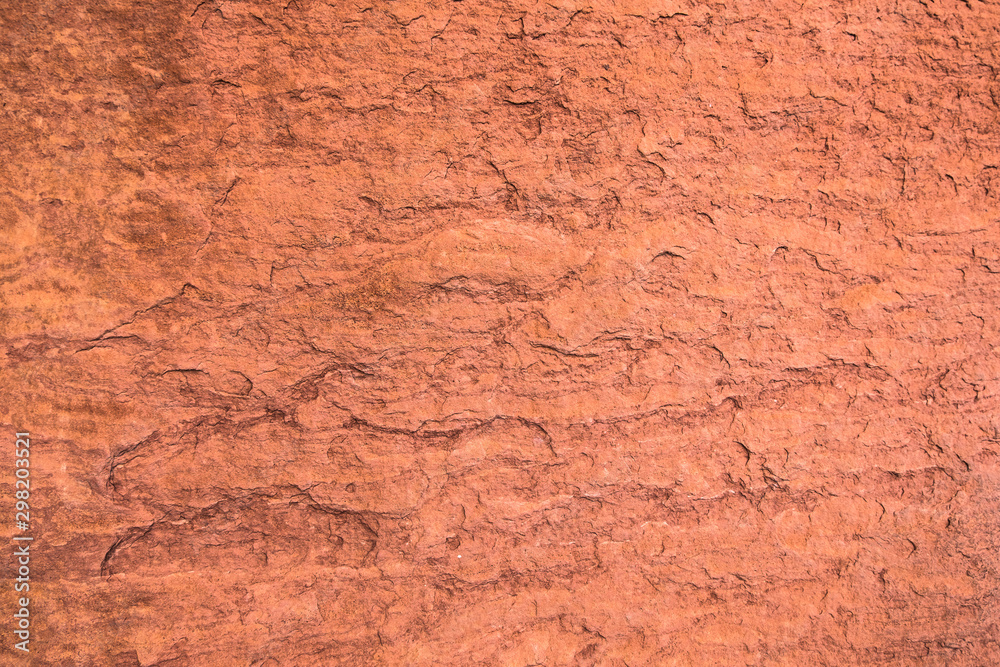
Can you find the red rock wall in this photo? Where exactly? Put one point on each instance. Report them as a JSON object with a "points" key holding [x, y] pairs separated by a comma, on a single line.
{"points": [[497, 333]]}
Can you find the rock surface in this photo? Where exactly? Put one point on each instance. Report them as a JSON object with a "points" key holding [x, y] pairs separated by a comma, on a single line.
{"points": [[505, 333]]}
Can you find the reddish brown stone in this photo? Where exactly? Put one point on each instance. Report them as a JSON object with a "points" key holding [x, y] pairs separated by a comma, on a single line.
{"points": [[485, 333]]}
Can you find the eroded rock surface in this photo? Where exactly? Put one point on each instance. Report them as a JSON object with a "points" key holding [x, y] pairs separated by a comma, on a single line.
{"points": [[486, 333]]}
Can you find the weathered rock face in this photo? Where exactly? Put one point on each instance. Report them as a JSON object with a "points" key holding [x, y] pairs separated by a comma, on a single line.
{"points": [[459, 333]]}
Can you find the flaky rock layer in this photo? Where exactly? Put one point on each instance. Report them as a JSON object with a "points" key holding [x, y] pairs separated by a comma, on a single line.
{"points": [[497, 333]]}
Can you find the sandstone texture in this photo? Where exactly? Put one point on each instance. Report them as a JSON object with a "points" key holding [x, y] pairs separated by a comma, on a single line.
{"points": [[503, 333]]}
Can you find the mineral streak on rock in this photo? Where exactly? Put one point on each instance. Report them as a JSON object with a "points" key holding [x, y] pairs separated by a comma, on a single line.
{"points": [[504, 333]]}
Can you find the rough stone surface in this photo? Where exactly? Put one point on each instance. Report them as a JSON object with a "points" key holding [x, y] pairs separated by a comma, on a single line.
{"points": [[504, 333]]}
